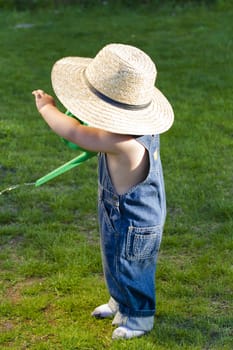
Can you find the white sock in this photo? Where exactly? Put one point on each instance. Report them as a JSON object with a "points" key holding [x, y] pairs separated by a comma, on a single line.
{"points": [[103, 311], [126, 333]]}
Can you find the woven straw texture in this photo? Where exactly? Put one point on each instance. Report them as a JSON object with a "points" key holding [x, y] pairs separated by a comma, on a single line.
{"points": [[114, 91]]}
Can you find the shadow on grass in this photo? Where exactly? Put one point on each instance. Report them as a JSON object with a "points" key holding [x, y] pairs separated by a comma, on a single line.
{"points": [[199, 332]]}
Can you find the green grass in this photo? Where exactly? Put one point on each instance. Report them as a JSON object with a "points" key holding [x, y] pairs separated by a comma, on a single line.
{"points": [[50, 266]]}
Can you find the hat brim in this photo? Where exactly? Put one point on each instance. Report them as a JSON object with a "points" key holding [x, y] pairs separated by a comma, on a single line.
{"points": [[71, 88]]}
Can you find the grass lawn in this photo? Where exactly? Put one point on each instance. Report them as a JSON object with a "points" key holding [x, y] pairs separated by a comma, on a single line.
{"points": [[50, 266]]}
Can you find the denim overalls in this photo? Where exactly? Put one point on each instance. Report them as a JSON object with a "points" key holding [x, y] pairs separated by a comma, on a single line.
{"points": [[131, 227]]}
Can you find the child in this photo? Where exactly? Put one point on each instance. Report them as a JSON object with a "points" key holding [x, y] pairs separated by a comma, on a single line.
{"points": [[114, 93]]}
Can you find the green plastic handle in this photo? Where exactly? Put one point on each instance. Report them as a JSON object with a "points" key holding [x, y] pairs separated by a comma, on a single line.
{"points": [[65, 167], [69, 143], [83, 157]]}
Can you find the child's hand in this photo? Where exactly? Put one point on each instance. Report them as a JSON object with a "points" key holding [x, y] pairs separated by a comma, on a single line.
{"points": [[42, 99]]}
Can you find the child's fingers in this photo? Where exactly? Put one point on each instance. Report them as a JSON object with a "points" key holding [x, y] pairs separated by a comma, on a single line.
{"points": [[38, 93]]}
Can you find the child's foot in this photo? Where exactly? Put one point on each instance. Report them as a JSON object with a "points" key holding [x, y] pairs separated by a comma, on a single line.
{"points": [[103, 311], [126, 333]]}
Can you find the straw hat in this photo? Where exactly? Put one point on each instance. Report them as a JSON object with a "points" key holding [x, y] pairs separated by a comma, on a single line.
{"points": [[114, 91]]}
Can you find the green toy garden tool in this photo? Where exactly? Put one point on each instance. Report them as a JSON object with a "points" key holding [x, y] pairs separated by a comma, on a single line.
{"points": [[84, 156]]}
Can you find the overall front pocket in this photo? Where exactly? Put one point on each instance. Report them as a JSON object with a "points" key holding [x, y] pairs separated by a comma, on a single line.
{"points": [[143, 242]]}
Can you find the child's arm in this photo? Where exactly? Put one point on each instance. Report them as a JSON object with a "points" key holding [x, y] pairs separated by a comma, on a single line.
{"points": [[127, 159], [89, 138]]}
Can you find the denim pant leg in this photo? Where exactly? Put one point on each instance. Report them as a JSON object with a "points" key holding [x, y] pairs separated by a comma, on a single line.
{"points": [[129, 257], [130, 275], [135, 323]]}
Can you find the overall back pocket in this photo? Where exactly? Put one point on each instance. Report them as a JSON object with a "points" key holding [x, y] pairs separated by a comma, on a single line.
{"points": [[143, 242]]}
